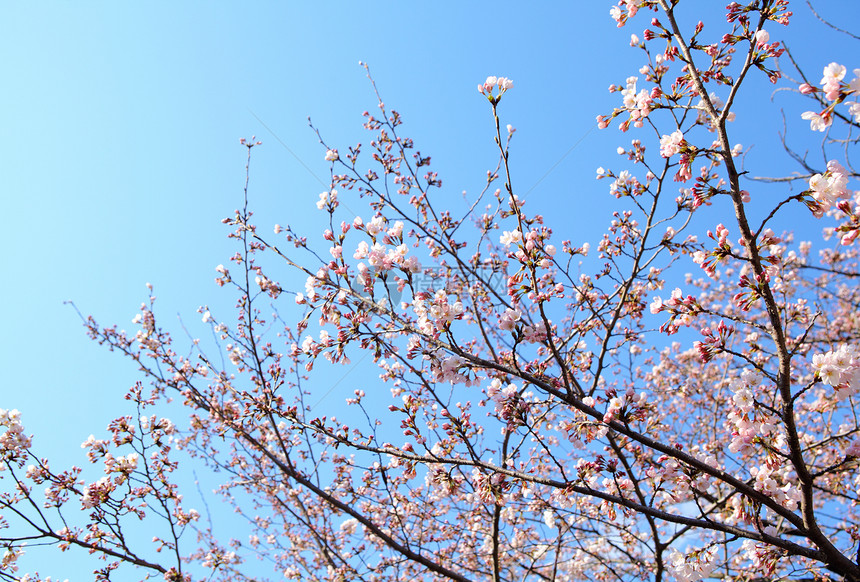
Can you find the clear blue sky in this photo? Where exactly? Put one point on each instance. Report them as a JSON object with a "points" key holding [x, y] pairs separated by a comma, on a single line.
{"points": [[120, 153]]}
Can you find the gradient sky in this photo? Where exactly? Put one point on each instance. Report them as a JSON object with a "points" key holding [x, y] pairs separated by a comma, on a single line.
{"points": [[121, 152]]}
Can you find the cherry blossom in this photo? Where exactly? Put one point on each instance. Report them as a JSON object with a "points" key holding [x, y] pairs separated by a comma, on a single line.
{"points": [[671, 144], [675, 402]]}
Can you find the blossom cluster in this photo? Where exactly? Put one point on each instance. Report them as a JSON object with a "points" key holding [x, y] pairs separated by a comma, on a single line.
{"points": [[682, 310], [625, 10], [451, 369], [327, 200], [763, 557], [436, 311], [637, 103], [8, 563], [672, 144], [532, 333], [840, 369], [835, 91], [829, 192], [777, 482], [14, 443], [509, 319], [693, 565], [493, 83], [511, 404], [830, 187], [624, 184], [383, 258]]}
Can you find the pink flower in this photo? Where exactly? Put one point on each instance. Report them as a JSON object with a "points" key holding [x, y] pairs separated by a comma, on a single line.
{"points": [[671, 144], [854, 111], [761, 38], [828, 188], [327, 199], [638, 103], [831, 82], [511, 237], [854, 85], [817, 121], [508, 321], [500, 83], [839, 368], [376, 225], [833, 72]]}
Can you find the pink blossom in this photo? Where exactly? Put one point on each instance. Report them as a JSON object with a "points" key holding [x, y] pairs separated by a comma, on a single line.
{"points": [[831, 82], [671, 144], [817, 121], [510, 237], [840, 369], [854, 111], [376, 225], [828, 188], [693, 566], [327, 200], [834, 72], [538, 332], [509, 319], [637, 103], [501, 83]]}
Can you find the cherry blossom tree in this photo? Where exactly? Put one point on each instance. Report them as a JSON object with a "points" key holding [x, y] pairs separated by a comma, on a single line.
{"points": [[676, 401]]}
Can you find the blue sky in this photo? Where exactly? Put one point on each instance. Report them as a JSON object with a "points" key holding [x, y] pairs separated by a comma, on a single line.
{"points": [[121, 149], [122, 153]]}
